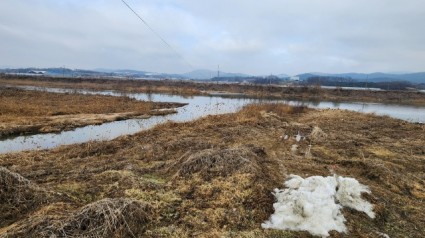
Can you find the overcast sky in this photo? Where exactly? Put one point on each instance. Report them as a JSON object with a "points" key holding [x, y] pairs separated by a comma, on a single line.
{"points": [[247, 36]]}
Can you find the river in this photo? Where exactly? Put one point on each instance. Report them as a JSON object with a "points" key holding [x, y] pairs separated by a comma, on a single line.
{"points": [[198, 106]]}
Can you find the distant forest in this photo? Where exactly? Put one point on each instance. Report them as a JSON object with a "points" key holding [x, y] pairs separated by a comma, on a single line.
{"points": [[348, 82], [325, 81]]}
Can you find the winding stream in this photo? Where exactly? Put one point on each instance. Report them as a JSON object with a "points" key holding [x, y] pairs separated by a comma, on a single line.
{"points": [[198, 106]]}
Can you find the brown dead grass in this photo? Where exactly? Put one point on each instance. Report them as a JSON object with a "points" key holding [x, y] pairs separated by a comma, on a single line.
{"points": [[105, 218], [18, 196], [213, 177], [26, 112], [211, 163], [21, 103], [269, 110]]}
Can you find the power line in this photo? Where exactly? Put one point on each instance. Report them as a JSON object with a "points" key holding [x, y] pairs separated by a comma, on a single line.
{"points": [[157, 34]]}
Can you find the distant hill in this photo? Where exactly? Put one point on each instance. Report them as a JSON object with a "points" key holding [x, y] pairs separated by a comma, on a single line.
{"points": [[205, 74], [282, 76], [54, 71], [415, 78], [196, 74], [308, 75], [373, 77], [121, 71]]}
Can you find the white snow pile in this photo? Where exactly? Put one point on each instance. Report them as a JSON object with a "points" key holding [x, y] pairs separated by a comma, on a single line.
{"points": [[314, 204]]}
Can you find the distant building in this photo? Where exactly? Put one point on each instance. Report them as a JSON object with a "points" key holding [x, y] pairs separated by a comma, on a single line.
{"points": [[37, 72]]}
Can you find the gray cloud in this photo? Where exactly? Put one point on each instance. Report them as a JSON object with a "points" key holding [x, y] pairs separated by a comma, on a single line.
{"points": [[257, 37]]}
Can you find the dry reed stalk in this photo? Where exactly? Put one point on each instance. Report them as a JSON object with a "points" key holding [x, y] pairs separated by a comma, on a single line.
{"points": [[17, 196], [213, 162], [107, 218]]}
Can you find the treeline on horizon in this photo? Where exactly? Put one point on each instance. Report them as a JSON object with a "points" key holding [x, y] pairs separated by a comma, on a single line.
{"points": [[326, 81], [348, 82], [311, 81], [253, 79]]}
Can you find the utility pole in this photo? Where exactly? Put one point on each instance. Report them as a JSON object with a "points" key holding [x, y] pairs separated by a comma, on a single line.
{"points": [[367, 78], [218, 73]]}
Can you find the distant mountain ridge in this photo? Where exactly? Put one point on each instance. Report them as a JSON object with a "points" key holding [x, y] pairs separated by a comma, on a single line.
{"points": [[205, 74], [202, 74], [196, 74], [373, 77]]}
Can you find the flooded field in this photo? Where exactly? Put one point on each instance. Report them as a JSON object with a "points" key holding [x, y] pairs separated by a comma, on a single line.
{"points": [[198, 106]]}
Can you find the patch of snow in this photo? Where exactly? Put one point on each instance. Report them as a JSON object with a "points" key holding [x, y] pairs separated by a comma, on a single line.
{"points": [[349, 194], [294, 149], [383, 235], [310, 204], [298, 137], [307, 153]]}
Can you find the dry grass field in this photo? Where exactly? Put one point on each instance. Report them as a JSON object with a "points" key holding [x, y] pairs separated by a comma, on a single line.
{"points": [[213, 177]]}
